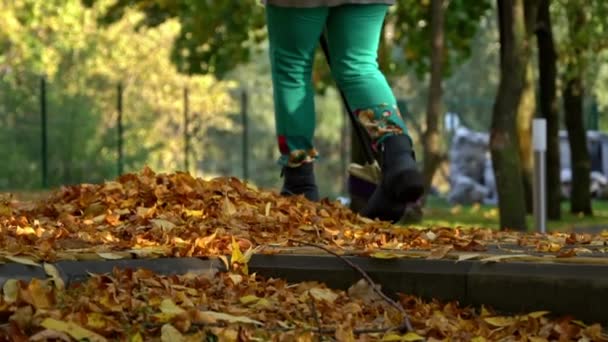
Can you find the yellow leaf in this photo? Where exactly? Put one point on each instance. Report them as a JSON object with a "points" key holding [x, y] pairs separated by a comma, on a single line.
{"points": [[5, 210], [391, 337], [168, 307], [136, 338], [163, 224], [161, 317], [22, 260], [193, 213], [11, 290], [323, 294], [96, 320], [240, 258], [538, 314], [411, 336], [210, 316], [246, 300], [52, 272], [72, 329], [485, 312], [111, 256], [478, 339], [384, 255], [500, 321], [579, 323], [169, 333], [537, 339], [267, 209]]}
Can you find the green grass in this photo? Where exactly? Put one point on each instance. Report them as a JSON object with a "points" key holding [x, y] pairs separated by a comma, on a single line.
{"points": [[439, 212]]}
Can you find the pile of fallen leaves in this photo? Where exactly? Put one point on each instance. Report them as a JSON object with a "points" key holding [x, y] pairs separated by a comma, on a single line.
{"points": [[152, 215], [129, 305]]}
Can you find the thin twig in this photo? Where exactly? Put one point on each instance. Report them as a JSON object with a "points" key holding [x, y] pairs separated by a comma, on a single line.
{"points": [[406, 321], [313, 309]]}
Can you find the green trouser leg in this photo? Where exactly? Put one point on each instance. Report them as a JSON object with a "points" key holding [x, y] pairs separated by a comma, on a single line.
{"points": [[353, 35]]}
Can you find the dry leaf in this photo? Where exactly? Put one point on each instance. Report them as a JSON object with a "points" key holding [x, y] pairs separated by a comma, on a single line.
{"points": [[228, 208], [498, 258], [72, 329], [440, 252], [10, 290], [468, 256], [52, 272], [111, 256], [218, 316], [250, 299], [168, 307], [323, 294], [537, 339], [40, 295], [500, 321], [408, 337], [169, 333], [384, 255], [538, 314], [50, 335], [165, 225], [22, 260], [236, 278]]}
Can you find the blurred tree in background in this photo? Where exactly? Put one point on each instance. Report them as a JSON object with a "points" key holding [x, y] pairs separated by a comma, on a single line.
{"points": [[218, 49]]}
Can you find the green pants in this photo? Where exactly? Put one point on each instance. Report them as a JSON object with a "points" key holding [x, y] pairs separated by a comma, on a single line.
{"points": [[353, 33]]}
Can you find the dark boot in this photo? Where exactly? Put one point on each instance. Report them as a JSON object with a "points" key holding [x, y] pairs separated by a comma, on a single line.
{"points": [[401, 183], [300, 180]]}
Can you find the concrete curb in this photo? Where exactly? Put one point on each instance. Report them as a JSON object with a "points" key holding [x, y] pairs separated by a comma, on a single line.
{"points": [[514, 287]]}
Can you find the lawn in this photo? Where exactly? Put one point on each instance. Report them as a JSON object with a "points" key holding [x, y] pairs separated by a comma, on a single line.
{"points": [[439, 212]]}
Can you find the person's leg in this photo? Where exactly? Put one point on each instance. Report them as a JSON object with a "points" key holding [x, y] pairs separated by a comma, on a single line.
{"points": [[353, 36], [293, 35]]}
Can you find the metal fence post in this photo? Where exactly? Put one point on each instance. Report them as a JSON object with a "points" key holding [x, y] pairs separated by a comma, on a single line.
{"points": [[244, 106], [120, 128], [539, 139], [43, 117]]}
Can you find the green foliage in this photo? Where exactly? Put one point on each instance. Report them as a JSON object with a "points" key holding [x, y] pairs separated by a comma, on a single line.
{"points": [[83, 65], [214, 37], [413, 32]]}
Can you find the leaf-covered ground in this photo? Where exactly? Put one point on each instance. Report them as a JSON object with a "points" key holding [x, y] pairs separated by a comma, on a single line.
{"points": [[138, 305], [154, 215]]}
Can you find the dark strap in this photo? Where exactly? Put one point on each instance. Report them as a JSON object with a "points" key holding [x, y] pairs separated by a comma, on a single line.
{"points": [[360, 131]]}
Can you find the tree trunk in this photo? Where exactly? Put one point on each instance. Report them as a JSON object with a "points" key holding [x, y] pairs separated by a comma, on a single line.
{"points": [[580, 193], [525, 113], [504, 145], [432, 135], [547, 66], [527, 105]]}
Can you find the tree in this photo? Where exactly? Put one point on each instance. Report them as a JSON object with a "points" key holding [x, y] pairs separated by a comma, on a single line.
{"points": [[547, 60], [504, 145], [573, 93], [432, 135], [527, 105]]}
